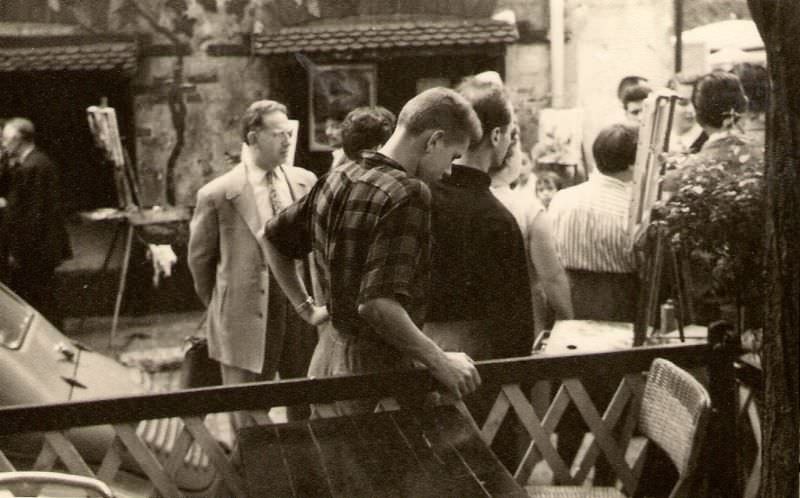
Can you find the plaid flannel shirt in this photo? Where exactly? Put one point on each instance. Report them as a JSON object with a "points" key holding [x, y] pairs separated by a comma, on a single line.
{"points": [[367, 224]]}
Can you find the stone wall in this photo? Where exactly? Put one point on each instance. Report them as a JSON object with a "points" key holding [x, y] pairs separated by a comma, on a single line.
{"points": [[528, 65], [188, 101], [611, 39], [215, 92], [606, 40]]}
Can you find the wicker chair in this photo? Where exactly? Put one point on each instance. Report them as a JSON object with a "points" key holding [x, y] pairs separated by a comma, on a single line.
{"points": [[673, 415], [30, 482]]}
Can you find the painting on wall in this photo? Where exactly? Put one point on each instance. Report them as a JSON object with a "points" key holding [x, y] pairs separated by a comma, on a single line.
{"points": [[334, 91]]}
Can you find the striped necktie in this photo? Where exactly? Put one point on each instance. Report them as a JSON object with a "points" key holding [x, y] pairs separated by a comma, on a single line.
{"points": [[274, 199]]}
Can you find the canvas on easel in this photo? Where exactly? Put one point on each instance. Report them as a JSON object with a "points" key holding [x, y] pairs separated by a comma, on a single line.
{"points": [[104, 128], [654, 135], [647, 170]]}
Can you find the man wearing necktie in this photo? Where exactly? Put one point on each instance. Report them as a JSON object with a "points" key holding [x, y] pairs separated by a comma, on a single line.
{"points": [[252, 329]]}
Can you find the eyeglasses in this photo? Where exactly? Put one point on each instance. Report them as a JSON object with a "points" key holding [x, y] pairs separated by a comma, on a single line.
{"points": [[288, 133]]}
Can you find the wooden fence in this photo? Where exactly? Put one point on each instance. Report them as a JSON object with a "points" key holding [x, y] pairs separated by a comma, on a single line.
{"points": [[124, 414]]}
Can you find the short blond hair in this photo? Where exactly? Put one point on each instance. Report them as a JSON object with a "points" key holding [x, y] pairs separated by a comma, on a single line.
{"points": [[441, 109]]}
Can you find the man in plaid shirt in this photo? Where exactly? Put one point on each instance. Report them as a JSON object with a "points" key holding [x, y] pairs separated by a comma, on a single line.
{"points": [[368, 227]]}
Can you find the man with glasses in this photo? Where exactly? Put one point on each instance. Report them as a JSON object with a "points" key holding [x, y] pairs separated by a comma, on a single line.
{"points": [[251, 327]]}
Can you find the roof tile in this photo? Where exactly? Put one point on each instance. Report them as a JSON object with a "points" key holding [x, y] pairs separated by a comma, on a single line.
{"points": [[84, 56], [423, 33]]}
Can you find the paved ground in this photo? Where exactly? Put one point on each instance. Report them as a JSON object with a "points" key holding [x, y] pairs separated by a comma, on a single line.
{"points": [[134, 333]]}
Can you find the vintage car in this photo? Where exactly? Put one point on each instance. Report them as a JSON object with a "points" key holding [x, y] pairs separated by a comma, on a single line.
{"points": [[40, 365]]}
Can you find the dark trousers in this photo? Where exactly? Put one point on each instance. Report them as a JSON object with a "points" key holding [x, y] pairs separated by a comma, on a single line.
{"points": [[596, 296]]}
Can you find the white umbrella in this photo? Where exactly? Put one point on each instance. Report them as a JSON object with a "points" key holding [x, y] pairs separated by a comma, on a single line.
{"points": [[732, 34]]}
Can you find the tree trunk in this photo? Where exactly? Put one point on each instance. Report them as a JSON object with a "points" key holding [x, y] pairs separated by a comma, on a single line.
{"points": [[779, 24]]}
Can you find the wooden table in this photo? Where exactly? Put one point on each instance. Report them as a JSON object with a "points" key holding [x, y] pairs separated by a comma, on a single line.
{"points": [[128, 220], [590, 336], [427, 453]]}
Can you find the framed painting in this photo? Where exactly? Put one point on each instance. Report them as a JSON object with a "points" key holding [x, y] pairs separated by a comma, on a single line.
{"points": [[334, 91]]}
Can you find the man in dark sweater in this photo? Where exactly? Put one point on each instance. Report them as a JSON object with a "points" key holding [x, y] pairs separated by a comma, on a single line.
{"points": [[480, 295]]}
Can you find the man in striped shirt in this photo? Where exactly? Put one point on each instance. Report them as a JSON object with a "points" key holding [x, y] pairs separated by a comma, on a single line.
{"points": [[591, 231], [592, 238]]}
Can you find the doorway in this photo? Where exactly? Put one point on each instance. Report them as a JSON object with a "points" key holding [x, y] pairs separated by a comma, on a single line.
{"points": [[399, 79], [56, 102]]}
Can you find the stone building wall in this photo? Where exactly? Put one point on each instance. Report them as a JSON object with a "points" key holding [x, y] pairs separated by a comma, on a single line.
{"points": [[187, 100], [611, 39], [528, 65]]}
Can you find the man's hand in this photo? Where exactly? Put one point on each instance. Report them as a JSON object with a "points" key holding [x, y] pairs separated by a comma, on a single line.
{"points": [[315, 315], [458, 374]]}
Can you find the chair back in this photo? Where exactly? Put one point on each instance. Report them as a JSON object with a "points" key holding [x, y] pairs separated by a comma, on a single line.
{"points": [[674, 412], [30, 481]]}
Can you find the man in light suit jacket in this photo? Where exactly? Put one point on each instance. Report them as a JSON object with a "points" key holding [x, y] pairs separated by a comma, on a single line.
{"points": [[251, 327]]}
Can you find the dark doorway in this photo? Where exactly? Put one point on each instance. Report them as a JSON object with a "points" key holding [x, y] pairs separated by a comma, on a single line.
{"points": [[56, 102], [398, 80]]}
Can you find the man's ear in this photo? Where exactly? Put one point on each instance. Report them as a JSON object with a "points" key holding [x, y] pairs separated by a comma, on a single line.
{"points": [[433, 140], [495, 135], [251, 138]]}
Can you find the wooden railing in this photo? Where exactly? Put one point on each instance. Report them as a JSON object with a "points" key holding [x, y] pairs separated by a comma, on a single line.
{"points": [[123, 414], [750, 383]]}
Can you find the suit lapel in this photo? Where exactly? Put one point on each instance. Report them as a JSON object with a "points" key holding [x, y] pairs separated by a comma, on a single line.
{"points": [[244, 201]]}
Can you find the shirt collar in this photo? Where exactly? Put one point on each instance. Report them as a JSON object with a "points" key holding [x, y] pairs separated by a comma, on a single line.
{"points": [[688, 138], [25, 153], [610, 181], [371, 159], [466, 176], [255, 175]]}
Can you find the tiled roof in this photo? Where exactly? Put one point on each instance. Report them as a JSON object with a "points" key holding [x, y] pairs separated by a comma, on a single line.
{"points": [[385, 35], [70, 53]]}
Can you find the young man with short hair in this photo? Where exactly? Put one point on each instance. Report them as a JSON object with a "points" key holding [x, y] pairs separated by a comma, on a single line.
{"points": [[480, 299], [366, 128], [368, 226], [633, 98]]}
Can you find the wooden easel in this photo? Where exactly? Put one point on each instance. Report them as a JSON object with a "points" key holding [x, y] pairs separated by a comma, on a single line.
{"points": [[658, 256], [654, 137], [103, 125]]}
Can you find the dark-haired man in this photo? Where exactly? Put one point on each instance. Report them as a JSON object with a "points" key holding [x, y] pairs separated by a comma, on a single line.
{"points": [[633, 98], [368, 226], [592, 237], [251, 329], [366, 128], [480, 299]]}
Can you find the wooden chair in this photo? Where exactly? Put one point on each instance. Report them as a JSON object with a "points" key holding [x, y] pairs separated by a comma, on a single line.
{"points": [[673, 415], [32, 482]]}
